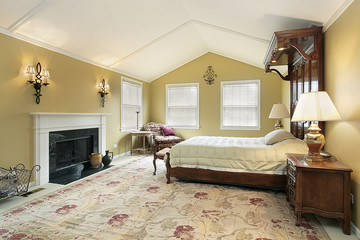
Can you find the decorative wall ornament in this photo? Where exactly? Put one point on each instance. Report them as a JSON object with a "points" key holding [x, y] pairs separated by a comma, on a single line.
{"points": [[103, 90], [209, 75], [38, 78]]}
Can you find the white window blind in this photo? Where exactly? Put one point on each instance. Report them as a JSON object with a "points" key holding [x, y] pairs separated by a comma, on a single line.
{"points": [[131, 102], [182, 105], [240, 102]]}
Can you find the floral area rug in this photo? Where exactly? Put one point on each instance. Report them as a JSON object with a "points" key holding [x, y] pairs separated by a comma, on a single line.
{"points": [[128, 202]]}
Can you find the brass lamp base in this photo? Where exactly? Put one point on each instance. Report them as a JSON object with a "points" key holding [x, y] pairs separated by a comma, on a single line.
{"points": [[278, 124], [314, 152], [315, 141]]}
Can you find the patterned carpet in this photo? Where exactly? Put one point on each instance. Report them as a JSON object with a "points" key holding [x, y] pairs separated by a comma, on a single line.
{"points": [[128, 202]]}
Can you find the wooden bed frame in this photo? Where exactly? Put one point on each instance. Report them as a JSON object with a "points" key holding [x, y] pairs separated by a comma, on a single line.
{"points": [[237, 178]]}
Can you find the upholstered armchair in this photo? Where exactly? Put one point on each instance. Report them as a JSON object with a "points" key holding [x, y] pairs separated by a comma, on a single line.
{"points": [[158, 139]]}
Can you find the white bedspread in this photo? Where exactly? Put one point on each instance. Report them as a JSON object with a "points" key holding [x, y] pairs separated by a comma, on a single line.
{"points": [[235, 154]]}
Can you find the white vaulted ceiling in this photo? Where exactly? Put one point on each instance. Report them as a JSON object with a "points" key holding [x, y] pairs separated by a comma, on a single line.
{"points": [[146, 39]]}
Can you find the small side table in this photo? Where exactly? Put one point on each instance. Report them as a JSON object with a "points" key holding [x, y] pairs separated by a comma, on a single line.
{"points": [[142, 134], [322, 188]]}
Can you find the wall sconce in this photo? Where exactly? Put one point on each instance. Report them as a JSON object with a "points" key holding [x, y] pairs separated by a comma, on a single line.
{"points": [[209, 75], [103, 90], [38, 78]]}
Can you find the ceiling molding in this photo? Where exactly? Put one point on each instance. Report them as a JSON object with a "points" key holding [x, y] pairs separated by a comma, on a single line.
{"points": [[66, 53], [24, 19], [190, 22], [200, 26], [178, 66], [240, 60], [337, 14], [231, 31], [152, 42]]}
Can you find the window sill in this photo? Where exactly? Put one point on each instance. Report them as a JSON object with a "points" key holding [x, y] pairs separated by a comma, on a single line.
{"points": [[185, 127], [257, 128]]}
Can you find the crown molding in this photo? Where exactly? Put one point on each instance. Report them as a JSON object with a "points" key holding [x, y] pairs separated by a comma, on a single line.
{"points": [[66, 53], [337, 14], [25, 18]]}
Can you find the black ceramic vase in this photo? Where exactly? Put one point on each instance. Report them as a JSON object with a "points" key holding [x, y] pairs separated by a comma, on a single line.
{"points": [[106, 160]]}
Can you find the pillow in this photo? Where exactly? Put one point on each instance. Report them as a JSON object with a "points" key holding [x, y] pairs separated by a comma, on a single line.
{"points": [[277, 136], [166, 131]]}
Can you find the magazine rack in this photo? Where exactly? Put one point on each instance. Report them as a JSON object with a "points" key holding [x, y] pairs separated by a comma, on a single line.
{"points": [[15, 181]]}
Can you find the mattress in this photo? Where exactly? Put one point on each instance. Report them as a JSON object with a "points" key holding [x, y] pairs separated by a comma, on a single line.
{"points": [[235, 154]]}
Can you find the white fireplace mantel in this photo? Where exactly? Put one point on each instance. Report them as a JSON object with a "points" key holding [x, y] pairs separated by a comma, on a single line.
{"points": [[49, 122]]}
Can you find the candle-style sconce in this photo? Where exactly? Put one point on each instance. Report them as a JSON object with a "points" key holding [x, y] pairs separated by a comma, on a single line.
{"points": [[38, 78], [209, 75], [104, 89]]}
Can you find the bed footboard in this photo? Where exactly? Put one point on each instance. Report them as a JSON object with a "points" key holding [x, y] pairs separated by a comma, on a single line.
{"points": [[237, 178]]}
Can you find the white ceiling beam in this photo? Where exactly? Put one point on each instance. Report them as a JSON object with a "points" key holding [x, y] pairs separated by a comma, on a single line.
{"points": [[151, 43], [24, 19], [231, 31], [184, 25]]}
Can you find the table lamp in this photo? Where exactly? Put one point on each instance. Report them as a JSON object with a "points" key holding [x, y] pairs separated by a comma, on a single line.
{"points": [[315, 106], [279, 111]]}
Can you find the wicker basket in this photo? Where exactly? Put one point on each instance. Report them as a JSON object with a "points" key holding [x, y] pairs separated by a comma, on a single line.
{"points": [[15, 181]]}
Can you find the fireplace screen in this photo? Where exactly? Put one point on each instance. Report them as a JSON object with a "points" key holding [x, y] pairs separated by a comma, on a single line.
{"points": [[69, 151]]}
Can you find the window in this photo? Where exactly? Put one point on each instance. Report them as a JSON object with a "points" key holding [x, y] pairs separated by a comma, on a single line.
{"points": [[240, 105], [131, 102], [182, 105]]}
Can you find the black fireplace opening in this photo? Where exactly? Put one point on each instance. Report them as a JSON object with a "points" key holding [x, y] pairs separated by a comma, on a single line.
{"points": [[69, 154]]}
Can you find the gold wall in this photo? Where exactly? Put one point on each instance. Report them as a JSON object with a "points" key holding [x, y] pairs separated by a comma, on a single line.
{"points": [[226, 70], [72, 89], [285, 99], [342, 82]]}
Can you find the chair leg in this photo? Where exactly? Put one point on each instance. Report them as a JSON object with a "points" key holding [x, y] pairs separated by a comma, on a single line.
{"points": [[168, 167], [154, 162]]}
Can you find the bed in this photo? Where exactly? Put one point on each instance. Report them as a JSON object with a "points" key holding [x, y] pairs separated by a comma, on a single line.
{"points": [[247, 161]]}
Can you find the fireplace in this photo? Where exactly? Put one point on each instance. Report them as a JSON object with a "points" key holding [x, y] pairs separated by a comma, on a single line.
{"points": [[46, 123], [69, 151]]}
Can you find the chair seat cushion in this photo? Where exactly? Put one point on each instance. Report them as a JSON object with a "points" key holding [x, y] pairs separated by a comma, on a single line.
{"points": [[162, 152], [167, 139]]}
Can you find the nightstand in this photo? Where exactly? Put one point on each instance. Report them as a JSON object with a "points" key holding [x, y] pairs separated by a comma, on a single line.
{"points": [[322, 188]]}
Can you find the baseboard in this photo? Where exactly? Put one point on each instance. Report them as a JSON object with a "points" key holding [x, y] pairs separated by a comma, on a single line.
{"points": [[121, 155], [355, 230]]}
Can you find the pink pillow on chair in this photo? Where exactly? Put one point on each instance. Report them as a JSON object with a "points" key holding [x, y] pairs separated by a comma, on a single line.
{"points": [[166, 131]]}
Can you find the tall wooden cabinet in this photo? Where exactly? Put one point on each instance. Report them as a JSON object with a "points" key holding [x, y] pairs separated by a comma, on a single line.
{"points": [[302, 51]]}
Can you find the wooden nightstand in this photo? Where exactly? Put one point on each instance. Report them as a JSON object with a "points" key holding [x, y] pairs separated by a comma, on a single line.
{"points": [[322, 188]]}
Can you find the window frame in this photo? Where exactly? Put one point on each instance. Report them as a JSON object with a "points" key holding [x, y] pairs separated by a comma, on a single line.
{"points": [[197, 126], [135, 82], [258, 127]]}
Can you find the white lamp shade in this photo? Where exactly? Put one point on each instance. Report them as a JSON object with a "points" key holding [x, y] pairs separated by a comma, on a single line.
{"points": [[279, 110], [31, 70], [315, 106], [45, 73]]}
